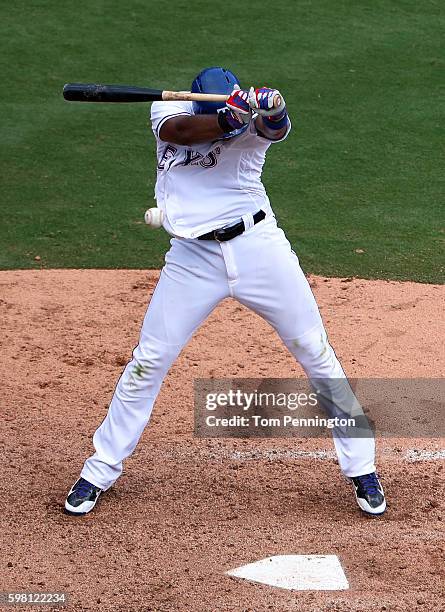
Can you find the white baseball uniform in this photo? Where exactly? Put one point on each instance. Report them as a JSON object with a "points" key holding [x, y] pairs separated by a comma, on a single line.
{"points": [[201, 188]]}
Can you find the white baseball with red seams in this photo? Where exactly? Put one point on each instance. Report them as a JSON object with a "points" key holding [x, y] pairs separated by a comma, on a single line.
{"points": [[154, 217], [199, 189]]}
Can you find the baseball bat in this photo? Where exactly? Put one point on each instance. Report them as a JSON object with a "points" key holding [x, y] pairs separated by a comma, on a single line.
{"points": [[90, 92]]}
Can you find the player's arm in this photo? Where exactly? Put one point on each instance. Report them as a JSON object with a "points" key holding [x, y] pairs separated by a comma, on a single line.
{"points": [[187, 130], [272, 121], [190, 129], [270, 129]]}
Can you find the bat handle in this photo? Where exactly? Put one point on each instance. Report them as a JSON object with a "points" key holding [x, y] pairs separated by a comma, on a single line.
{"points": [[204, 97], [192, 96]]}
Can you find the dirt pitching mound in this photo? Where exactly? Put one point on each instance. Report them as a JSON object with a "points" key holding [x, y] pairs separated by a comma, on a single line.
{"points": [[188, 510]]}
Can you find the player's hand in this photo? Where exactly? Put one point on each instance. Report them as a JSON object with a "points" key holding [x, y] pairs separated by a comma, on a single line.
{"points": [[238, 103], [237, 112], [266, 102]]}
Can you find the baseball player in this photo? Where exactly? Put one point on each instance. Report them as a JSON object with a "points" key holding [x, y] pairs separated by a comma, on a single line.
{"points": [[225, 243]]}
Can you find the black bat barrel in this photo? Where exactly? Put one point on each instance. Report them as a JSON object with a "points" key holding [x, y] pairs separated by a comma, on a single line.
{"points": [[90, 92]]}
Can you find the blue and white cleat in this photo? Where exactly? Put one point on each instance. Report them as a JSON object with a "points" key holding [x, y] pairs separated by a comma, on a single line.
{"points": [[82, 497], [369, 494]]}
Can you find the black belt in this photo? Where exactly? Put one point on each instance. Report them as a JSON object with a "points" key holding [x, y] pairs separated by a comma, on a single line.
{"points": [[227, 233]]}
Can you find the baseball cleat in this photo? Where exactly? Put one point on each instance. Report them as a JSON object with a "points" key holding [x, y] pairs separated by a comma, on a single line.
{"points": [[82, 497], [369, 494]]}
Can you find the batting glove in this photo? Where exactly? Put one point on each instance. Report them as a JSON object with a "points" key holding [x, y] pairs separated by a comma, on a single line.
{"points": [[266, 102], [238, 102], [237, 112]]}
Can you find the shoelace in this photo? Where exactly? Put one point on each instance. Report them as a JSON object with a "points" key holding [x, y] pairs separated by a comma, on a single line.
{"points": [[84, 487], [370, 483]]}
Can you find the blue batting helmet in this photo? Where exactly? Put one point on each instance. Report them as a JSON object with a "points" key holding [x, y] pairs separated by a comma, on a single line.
{"points": [[212, 80]]}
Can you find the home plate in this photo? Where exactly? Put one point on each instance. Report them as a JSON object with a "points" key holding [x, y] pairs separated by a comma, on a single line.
{"points": [[296, 572]]}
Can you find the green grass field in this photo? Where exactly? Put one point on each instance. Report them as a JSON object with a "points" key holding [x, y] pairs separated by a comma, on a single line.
{"points": [[362, 170]]}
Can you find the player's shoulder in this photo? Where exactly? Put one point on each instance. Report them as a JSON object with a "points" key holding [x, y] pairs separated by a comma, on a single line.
{"points": [[255, 139], [249, 139], [163, 109]]}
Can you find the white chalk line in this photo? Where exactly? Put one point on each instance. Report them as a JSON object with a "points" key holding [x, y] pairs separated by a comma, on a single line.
{"points": [[424, 455], [274, 455], [221, 454]]}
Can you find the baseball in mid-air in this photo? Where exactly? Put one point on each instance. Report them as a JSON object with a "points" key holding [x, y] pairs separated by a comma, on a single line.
{"points": [[154, 217]]}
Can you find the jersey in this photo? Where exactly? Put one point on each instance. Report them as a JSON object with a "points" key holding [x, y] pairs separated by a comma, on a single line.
{"points": [[206, 186]]}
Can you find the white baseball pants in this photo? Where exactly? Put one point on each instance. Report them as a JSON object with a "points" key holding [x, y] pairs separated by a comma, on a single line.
{"points": [[260, 270]]}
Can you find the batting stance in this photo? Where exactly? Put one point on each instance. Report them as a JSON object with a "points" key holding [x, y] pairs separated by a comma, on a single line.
{"points": [[225, 243]]}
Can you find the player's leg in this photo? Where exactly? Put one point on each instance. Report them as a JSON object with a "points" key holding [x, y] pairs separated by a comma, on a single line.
{"points": [[192, 283], [271, 282]]}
